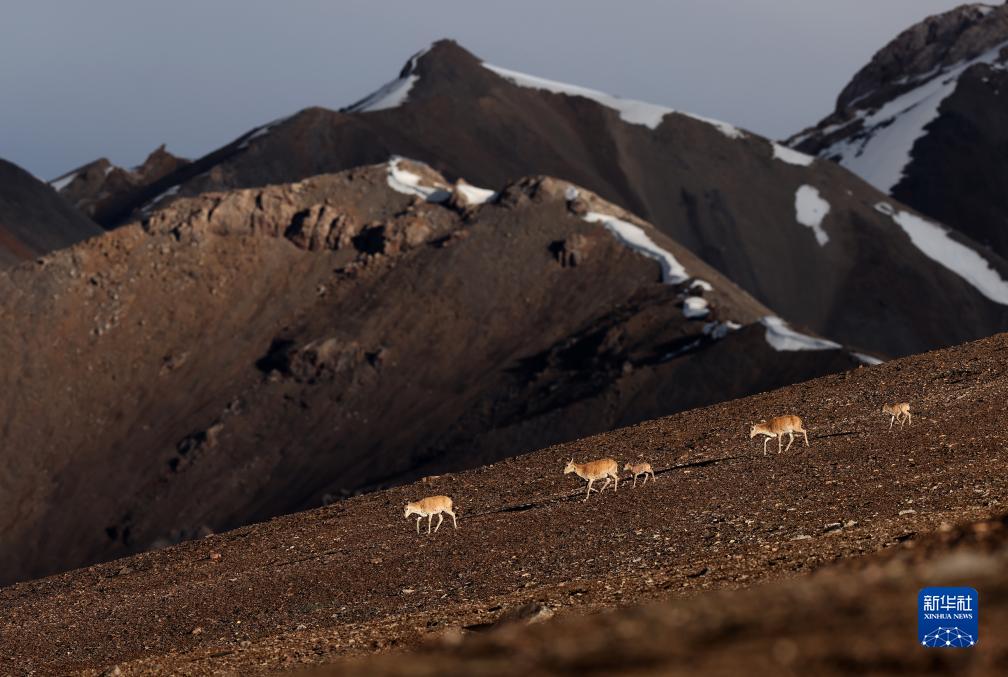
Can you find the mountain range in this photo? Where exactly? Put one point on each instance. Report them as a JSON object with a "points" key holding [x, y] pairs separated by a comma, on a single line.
{"points": [[466, 265], [783, 226]]}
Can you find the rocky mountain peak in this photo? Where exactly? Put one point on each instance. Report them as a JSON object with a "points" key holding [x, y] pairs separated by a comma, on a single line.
{"points": [[936, 43]]}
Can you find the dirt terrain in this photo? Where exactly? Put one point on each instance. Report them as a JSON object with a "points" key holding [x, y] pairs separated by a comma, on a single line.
{"points": [[856, 617], [256, 352], [354, 578]]}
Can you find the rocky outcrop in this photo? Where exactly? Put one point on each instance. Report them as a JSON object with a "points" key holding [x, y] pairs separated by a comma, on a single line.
{"points": [[936, 43]]}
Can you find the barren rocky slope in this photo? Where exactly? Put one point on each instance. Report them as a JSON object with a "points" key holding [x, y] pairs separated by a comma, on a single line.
{"points": [[354, 577], [33, 218], [241, 355], [926, 121], [781, 225], [853, 618]]}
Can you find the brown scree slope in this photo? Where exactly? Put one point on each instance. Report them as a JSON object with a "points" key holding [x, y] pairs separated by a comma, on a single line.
{"points": [[354, 577]]}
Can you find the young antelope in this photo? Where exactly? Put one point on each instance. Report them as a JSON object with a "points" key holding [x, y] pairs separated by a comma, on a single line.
{"points": [[898, 412], [778, 427], [640, 469], [595, 470], [428, 507]]}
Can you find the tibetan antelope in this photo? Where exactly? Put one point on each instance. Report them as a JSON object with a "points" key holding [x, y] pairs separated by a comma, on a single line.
{"points": [[595, 470], [778, 427], [898, 412], [639, 469], [428, 507]]}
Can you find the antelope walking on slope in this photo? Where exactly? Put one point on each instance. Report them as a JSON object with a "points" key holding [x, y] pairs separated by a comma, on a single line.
{"points": [[639, 469], [899, 412], [595, 470], [778, 427], [428, 507]]}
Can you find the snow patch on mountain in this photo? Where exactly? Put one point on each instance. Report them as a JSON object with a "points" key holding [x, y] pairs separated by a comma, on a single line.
{"points": [[782, 337], [867, 359], [881, 151], [392, 94], [258, 132], [404, 181], [635, 112], [935, 242], [791, 156], [635, 238], [695, 307], [810, 210], [62, 182], [159, 198], [474, 195], [718, 330]]}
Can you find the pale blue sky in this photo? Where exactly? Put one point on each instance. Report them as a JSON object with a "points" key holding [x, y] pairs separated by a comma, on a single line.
{"points": [[83, 79]]}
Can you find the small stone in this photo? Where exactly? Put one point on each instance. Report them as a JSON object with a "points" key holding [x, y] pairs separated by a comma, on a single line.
{"points": [[196, 631], [908, 511], [215, 557]]}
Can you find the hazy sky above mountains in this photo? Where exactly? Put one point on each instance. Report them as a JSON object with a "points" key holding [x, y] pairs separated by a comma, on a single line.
{"points": [[116, 78]]}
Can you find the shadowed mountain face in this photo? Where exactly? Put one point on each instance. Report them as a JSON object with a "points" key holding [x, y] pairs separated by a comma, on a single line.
{"points": [[804, 237], [33, 219], [926, 121], [243, 354]]}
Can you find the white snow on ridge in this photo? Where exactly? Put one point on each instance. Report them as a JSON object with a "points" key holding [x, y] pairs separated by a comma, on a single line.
{"points": [[718, 330], [781, 337], [695, 307], [259, 132], [810, 210], [160, 197], [62, 182], [474, 195], [635, 238], [392, 94], [791, 156], [404, 181], [632, 111], [867, 359], [881, 152], [935, 243]]}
